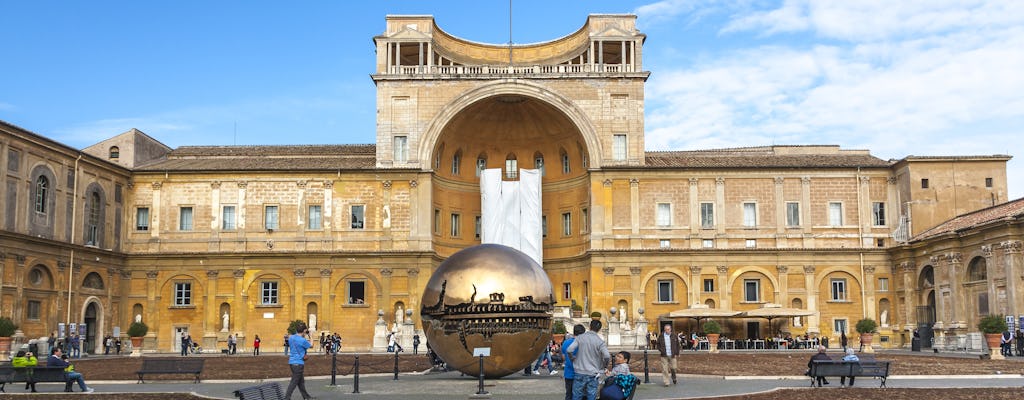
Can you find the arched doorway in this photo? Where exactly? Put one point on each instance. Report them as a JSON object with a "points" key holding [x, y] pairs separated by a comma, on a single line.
{"points": [[926, 312], [91, 317]]}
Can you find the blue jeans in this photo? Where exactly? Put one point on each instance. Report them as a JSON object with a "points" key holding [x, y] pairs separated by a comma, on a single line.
{"points": [[584, 387], [545, 355], [74, 376]]}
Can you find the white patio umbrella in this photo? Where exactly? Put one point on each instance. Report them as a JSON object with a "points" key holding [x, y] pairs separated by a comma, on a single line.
{"points": [[701, 311], [772, 311]]}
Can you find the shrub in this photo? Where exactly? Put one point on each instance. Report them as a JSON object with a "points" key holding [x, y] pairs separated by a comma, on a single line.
{"points": [[7, 327], [595, 314], [138, 329], [294, 326], [576, 307], [866, 325], [992, 324], [558, 328], [712, 327]]}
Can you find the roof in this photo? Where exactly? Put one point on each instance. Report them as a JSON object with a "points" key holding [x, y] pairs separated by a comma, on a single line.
{"points": [[267, 158], [766, 157], [1010, 210]]}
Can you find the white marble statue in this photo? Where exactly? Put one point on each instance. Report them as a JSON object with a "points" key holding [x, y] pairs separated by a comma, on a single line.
{"points": [[138, 317], [224, 322], [885, 318], [387, 216], [312, 322], [399, 316]]}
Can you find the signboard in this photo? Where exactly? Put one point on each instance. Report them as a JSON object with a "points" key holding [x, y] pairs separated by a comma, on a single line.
{"points": [[81, 329], [481, 351], [60, 330], [117, 331], [1021, 321], [1010, 322]]}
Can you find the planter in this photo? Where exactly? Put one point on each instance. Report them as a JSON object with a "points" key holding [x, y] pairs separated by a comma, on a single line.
{"points": [[576, 313], [993, 340], [136, 347], [713, 342], [865, 342], [5, 348]]}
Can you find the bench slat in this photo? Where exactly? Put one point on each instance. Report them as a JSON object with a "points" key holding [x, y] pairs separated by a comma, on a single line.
{"points": [[171, 366], [266, 391]]}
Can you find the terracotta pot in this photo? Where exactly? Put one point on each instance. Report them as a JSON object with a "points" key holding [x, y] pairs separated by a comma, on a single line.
{"points": [[576, 313], [713, 342], [5, 348], [994, 340], [865, 341]]}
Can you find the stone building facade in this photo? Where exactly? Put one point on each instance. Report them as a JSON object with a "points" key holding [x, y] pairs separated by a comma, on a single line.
{"points": [[347, 235]]}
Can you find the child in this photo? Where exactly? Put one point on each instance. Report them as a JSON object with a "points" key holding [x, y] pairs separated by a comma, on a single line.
{"points": [[621, 366]]}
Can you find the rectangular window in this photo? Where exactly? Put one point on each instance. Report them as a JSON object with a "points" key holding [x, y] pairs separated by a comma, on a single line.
{"points": [[477, 227], [268, 293], [185, 219], [511, 169], [619, 147], [538, 163], [566, 224], [401, 149], [924, 183], [709, 285], [456, 160], [707, 215], [566, 166], [270, 220], [665, 291], [839, 325], [707, 243], [988, 182], [878, 211], [456, 224], [665, 243], [883, 284], [481, 165], [751, 243], [32, 311], [664, 214], [750, 215], [792, 214], [227, 218], [316, 217], [544, 225], [983, 303], [752, 290], [437, 222], [357, 216], [142, 219], [584, 220], [356, 292], [182, 293], [838, 289], [835, 214], [566, 291]]}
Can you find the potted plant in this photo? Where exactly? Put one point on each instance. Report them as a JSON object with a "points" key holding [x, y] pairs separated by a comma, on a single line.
{"points": [[595, 315], [866, 328], [576, 310], [713, 330], [993, 326], [558, 331], [136, 331], [7, 329]]}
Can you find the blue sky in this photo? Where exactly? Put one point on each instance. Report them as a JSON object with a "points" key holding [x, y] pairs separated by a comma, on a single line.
{"points": [[902, 78]]}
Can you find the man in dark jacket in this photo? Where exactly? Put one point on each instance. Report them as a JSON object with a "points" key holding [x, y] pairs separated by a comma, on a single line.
{"points": [[56, 360], [668, 349], [822, 357]]}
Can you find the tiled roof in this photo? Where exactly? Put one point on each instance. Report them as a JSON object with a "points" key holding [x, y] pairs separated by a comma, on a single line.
{"points": [[762, 157], [266, 158], [1009, 210]]}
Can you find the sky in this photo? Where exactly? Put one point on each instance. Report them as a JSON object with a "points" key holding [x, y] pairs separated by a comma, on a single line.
{"points": [[898, 78]]}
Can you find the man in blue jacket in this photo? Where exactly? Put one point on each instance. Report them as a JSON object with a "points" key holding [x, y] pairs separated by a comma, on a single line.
{"points": [[297, 346], [55, 360]]}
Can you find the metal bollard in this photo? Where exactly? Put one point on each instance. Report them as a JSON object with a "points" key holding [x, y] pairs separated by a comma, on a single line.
{"points": [[396, 365], [481, 391], [355, 381], [334, 369], [647, 372]]}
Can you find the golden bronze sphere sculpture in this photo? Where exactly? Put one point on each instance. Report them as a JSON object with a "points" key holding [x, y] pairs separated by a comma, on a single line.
{"points": [[488, 296]]}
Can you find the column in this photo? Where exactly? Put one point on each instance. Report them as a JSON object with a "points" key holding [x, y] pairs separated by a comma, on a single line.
{"points": [[719, 208], [724, 290], [635, 242], [151, 318], [212, 321], [942, 312], [635, 301], [958, 317], [240, 211], [154, 211], [303, 210], [870, 306], [805, 211], [325, 312], [328, 210], [906, 270], [415, 294], [814, 320], [240, 306], [298, 298], [1012, 261], [694, 199], [695, 285], [214, 207], [609, 205], [783, 289], [780, 208], [386, 238], [385, 291], [864, 211]]}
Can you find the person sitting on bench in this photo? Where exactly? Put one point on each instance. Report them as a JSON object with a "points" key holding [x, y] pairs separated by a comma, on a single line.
{"points": [[820, 356], [850, 357], [56, 360]]}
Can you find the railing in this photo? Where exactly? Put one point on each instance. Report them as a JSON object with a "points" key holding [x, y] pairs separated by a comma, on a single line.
{"points": [[507, 70]]}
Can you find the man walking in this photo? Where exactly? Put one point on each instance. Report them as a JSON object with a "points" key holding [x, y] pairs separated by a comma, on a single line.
{"points": [[298, 345], [591, 358], [668, 348]]}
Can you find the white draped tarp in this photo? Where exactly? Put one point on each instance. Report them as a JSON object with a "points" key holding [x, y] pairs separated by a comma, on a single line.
{"points": [[511, 211]]}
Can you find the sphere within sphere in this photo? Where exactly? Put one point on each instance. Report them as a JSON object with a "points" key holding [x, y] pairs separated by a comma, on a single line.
{"points": [[489, 296]]}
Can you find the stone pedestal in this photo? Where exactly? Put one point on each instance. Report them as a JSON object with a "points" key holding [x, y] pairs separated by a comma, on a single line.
{"points": [[614, 336], [380, 334]]}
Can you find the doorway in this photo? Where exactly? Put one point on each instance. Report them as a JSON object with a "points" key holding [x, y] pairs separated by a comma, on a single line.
{"points": [[178, 332], [90, 318], [753, 330]]}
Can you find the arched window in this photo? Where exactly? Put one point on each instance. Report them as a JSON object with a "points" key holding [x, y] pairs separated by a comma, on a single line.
{"points": [[456, 162], [511, 166], [538, 162], [481, 163], [93, 281], [93, 220], [115, 152], [41, 191], [566, 166], [977, 270]]}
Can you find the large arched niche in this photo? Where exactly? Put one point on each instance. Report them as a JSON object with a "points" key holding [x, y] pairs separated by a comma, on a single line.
{"points": [[510, 125]]}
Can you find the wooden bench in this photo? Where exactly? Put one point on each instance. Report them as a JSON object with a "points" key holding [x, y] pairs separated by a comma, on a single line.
{"points": [[33, 375], [866, 368], [266, 391], [152, 366]]}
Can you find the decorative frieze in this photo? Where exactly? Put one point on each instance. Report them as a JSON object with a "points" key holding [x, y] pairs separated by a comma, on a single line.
{"points": [[954, 258], [906, 266], [1010, 246]]}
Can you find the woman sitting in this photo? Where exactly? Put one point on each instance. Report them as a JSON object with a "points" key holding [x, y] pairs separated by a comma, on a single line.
{"points": [[849, 357]]}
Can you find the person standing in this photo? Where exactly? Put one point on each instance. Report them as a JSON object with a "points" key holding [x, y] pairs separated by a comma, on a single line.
{"points": [[1004, 343], [298, 344], [256, 346], [184, 344], [591, 358], [842, 340], [117, 345], [286, 345], [76, 346], [416, 344], [568, 372], [668, 349], [232, 344]]}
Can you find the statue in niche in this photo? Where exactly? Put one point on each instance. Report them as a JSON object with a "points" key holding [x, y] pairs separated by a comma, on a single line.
{"points": [[387, 216], [399, 316], [224, 322], [312, 322], [138, 317], [885, 318]]}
